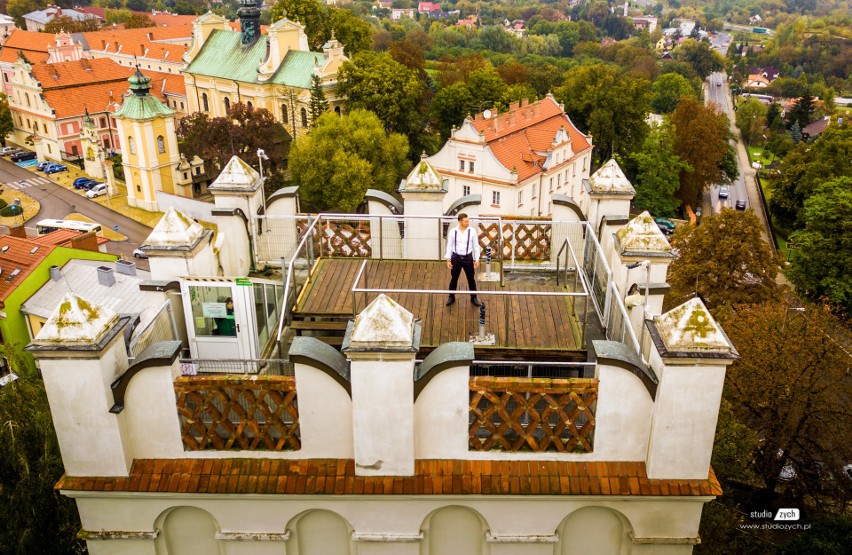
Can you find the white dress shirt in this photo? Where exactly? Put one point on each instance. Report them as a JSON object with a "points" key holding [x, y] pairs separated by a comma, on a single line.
{"points": [[462, 242]]}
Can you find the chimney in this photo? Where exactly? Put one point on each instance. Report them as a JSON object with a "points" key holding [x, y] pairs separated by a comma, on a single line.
{"points": [[55, 273], [106, 276], [125, 267]]}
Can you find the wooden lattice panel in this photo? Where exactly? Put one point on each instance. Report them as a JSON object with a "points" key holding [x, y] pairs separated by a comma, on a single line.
{"points": [[529, 241], [532, 414], [346, 238], [235, 413]]}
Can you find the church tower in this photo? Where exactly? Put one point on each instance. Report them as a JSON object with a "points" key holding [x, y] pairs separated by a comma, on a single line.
{"points": [[149, 147], [249, 15]]}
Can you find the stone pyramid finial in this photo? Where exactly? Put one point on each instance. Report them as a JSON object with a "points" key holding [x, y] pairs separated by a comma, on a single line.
{"points": [[174, 230], [236, 174], [689, 328], [384, 324], [423, 177], [609, 179], [76, 321], [641, 236]]}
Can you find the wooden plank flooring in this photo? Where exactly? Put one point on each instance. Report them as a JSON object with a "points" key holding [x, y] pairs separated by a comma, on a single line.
{"points": [[535, 323]]}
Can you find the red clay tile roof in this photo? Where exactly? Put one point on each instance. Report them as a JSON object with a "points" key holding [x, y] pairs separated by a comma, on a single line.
{"points": [[18, 257], [63, 238], [110, 39], [170, 20], [174, 83], [28, 41], [11, 56], [98, 97], [81, 72], [431, 477], [514, 135]]}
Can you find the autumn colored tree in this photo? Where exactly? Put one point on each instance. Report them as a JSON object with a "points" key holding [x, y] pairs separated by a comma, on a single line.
{"points": [[343, 157], [725, 262], [701, 140], [791, 387], [70, 25], [6, 124], [138, 21]]}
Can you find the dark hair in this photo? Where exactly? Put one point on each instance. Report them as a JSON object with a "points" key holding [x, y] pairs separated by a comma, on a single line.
{"points": [[462, 216]]}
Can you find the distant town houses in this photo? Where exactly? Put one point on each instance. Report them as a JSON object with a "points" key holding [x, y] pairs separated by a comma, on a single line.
{"points": [[428, 8], [398, 14], [36, 21], [645, 22]]}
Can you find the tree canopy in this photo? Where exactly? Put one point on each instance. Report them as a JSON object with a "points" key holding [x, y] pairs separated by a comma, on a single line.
{"points": [[822, 260], [322, 21], [668, 89], [724, 261], [700, 55], [701, 134], [343, 157], [609, 105], [6, 124], [658, 174]]}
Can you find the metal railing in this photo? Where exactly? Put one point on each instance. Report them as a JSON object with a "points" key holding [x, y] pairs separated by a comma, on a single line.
{"points": [[304, 251], [531, 369], [619, 327], [162, 327], [265, 367]]}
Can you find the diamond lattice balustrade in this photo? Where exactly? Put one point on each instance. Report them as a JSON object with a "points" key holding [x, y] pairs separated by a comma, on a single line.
{"points": [[532, 414], [229, 413]]}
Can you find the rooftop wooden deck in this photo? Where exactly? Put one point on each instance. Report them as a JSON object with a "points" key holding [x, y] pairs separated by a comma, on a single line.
{"points": [[535, 323]]}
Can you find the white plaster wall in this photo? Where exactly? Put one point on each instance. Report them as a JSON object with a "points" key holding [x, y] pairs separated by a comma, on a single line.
{"points": [[150, 411], [90, 438], [325, 415], [233, 242], [189, 207], [383, 416], [205, 262], [440, 416], [622, 416], [422, 241], [661, 518], [684, 421], [168, 267]]}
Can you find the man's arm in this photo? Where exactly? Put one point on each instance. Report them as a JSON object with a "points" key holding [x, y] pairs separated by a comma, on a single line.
{"points": [[449, 254]]}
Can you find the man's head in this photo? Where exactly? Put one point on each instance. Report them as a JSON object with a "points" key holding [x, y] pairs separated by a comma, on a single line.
{"points": [[464, 221]]}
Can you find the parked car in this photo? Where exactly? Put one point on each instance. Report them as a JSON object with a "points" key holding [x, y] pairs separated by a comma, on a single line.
{"points": [[84, 182], [97, 190], [6, 150], [22, 156], [666, 225], [741, 205], [723, 193], [55, 168], [139, 253], [42, 165]]}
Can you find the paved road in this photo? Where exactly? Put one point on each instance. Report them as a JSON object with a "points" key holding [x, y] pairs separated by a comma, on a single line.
{"points": [[57, 202], [721, 42], [745, 187]]}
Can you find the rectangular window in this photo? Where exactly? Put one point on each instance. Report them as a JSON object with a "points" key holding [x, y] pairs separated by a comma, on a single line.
{"points": [[558, 181], [495, 198], [465, 190], [470, 167], [520, 198], [551, 185], [535, 190], [461, 165]]}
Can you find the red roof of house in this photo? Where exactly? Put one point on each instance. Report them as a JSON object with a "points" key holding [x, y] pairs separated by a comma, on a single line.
{"points": [[64, 238], [9, 55], [110, 39], [431, 477], [516, 137], [23, 255], [28, 41], [81, 72]]}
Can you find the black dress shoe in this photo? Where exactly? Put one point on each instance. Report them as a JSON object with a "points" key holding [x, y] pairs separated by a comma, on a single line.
{"points": [[451, 300], [475, 301]]}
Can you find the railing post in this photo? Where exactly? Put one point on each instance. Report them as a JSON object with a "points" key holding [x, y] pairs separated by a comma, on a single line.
{"points": [[482, 320], [506, 300], [514, 242], [381, 238], [440, 237], [488, 259]]}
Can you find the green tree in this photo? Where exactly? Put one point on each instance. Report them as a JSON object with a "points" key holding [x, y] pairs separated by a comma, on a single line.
{"points": [[701, 134], [803, 111], [450, 106], [807, 166], [350, 30], [6, 124], [822, 264], [658, 174], [33, 517], [343, 157], [310, 13], [668, 89], [19, 8], [378, 83], [496, 39], [319, 104], [700, 55], [486, 88], [790, 386], [796, 132], [724, 261], [751, 119], [610, 106], [70, 25]]}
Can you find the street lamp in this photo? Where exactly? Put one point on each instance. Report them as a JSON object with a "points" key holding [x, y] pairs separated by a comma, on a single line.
{"points": [[261, 156]]}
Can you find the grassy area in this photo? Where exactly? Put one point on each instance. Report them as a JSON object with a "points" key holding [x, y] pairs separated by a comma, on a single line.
{"points": [[29, 205]]}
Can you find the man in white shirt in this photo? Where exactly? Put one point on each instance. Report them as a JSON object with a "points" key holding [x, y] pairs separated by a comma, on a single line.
{"points": [[462, 254]]}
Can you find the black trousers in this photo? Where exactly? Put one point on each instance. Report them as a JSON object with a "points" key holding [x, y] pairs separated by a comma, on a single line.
{"points": [[462, 262]]}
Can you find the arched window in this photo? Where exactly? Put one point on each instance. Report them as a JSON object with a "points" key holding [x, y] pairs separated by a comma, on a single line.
{"points": [[284, 117], [319, 532], [187, 530], [249, 105], [612, 532], [161, 144], [131, 145], [227, 104], [454, 530], [337, 110], [27, 96], [304, 117], [205, 106]]}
